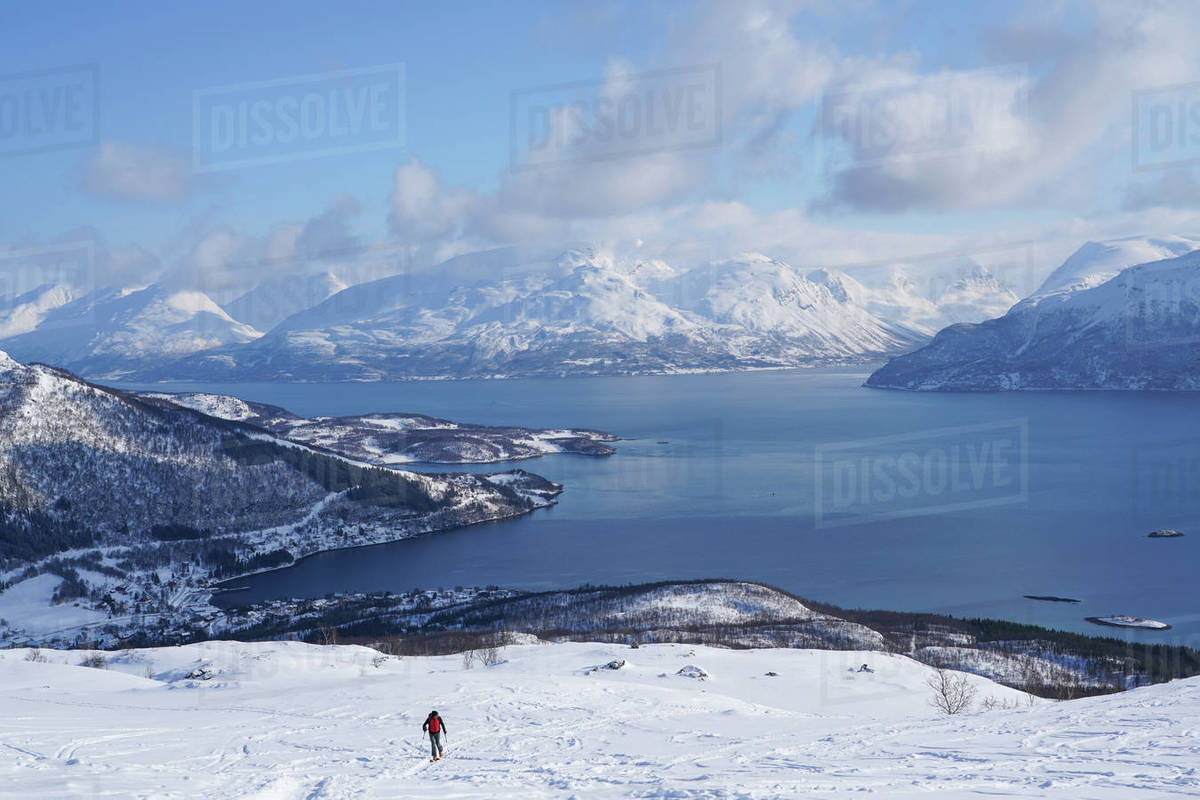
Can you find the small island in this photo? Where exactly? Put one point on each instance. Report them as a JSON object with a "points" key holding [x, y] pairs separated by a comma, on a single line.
{"points": [[1122, 621], [1165, 533], [1049, 598]]}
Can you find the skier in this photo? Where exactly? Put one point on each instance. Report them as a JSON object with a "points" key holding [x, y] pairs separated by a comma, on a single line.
{"points": [[435, 726]]}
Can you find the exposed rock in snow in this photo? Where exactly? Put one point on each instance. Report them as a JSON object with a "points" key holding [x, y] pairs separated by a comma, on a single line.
{"points": [[692, 671]]}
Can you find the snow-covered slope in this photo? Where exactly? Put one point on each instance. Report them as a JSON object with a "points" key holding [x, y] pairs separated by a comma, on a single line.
{"points": [[1097, 262], [386, 438], [1085, 329], [929, 297], [26, 312], [767, 308], [974, 296], [288, 720], [110, 332], [273, 301]]}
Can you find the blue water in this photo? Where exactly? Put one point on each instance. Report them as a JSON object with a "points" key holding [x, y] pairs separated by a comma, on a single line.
{"points": [[1003, 495]]}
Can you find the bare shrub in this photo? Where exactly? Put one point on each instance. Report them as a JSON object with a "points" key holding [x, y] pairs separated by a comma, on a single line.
{"points": [[952, 692], [95, 661], [35, 655], [490, 656], [992, 703], [328, 634]]}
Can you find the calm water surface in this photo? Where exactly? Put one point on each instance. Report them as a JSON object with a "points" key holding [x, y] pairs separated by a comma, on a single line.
{"points": [[797, 479]]}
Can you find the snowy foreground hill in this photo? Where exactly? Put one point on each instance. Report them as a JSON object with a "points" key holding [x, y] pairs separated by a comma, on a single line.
{"points": [[1123, 314], [290, 720]]}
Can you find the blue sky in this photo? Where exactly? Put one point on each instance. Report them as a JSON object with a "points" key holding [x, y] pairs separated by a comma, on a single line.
{"points": [[1046, 155]]}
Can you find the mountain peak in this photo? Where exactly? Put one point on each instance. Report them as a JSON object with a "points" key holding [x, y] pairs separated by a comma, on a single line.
{"points": [[1096, 262]]}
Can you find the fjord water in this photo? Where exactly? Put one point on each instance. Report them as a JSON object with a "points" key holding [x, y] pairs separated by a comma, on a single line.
{"points": [[783, 477]]}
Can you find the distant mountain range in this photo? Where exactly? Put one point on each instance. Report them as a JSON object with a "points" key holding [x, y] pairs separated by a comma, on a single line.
{"points": [[1122, 314], [502, 313]]}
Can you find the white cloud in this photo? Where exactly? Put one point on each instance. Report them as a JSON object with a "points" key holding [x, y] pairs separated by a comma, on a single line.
{"points": [[1071, 116], [768, 72], [423, 207], [1043, 128], [139, 172], [226, 262]]}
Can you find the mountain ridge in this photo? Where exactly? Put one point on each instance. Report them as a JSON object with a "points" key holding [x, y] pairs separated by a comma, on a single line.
{"points": [[512, 312], [1135, 330]]}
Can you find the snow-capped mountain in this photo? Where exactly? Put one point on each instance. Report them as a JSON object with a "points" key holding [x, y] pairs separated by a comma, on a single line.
{"points": [[929, 297], [975, 296], [26, 312], [109, 332], [582, 312], [1097, 262], [508, 312], [1085, 329], [273, 301], [765, 307]]}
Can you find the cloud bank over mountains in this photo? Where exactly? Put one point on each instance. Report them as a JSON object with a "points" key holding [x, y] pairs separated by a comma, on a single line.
{"points": [[817, 149]]}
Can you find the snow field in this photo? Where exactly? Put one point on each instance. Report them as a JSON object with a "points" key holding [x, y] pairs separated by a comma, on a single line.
{"points": [[288, 720], [29, 604]]}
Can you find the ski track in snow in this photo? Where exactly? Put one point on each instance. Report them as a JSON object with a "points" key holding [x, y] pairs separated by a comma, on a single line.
{"points": [[286, 720]]}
